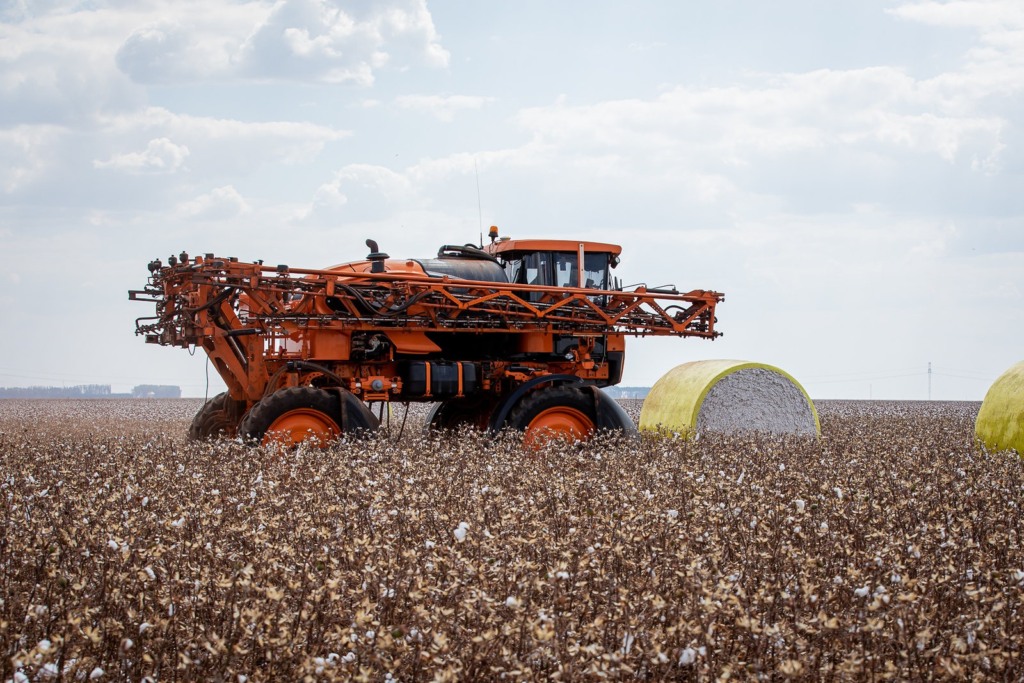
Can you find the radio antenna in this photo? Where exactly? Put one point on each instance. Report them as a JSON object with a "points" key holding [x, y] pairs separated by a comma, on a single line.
{"points": [[479, 205]]}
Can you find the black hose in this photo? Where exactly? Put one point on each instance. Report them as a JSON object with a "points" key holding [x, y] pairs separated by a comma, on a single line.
{"points": [[377, 310]]}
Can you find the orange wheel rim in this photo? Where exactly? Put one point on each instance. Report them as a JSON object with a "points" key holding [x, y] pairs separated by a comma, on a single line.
{"points": [[558, 423], [301, 424]]}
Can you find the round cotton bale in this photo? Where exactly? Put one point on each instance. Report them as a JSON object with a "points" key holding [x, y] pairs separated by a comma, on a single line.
{"points": [[728, 396], [1000, 423]]}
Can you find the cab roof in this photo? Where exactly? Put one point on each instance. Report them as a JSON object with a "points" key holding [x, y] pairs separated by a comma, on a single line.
{"points": [[508, 245]]}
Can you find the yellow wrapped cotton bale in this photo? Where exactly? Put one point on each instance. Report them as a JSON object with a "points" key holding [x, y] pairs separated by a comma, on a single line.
{"points": [[1000, 424], [728, 396]]}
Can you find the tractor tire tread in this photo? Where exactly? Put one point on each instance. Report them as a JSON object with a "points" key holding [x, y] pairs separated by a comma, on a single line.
{"points": [[548, 397], [217, 418], [262, 415]]}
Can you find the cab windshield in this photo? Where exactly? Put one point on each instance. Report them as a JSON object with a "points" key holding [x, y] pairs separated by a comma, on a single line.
{"points": [[559, 269]]}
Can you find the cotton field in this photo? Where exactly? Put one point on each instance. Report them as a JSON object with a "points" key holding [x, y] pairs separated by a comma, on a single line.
{"points": [[889, 549]]}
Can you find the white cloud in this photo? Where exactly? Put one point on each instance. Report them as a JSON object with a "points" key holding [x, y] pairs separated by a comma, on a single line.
{"points": [[216, 143], [160, 156], [318, 40], [442, 107], [363, 191], [983, 14], [62, 58], [58, 69], [222, 203], [29, 153], [168, 52], [301, 40]]}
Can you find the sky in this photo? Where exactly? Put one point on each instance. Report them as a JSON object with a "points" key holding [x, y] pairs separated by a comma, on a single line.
{"points": [[850, 174]]}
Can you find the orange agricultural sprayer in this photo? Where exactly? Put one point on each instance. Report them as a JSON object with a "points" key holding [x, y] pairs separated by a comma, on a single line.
{"points": [[517, 333]]}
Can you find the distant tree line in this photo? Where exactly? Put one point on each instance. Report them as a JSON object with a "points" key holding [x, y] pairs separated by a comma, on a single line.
{"points": [[91, 391]]}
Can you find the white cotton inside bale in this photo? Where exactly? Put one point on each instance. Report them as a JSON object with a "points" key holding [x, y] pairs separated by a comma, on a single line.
{"points": [[756, 400], [728, 396]]}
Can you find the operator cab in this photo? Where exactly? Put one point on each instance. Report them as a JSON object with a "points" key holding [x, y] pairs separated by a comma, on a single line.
{"points": [[556, 263]]}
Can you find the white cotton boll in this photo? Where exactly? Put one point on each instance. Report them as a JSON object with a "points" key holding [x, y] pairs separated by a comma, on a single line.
{"points": [[370, 635], [96, 673], [562, 575], [687, 656], [178, 523], [512, 601], [800, 504], [862, 592], [1018, 575], [112, 544], [19, 677], [460, 531], [839, 492], [837, 580], [44, 645], [672, 514], [823, 526], [145, 501], [144, 626], [150, 573], [782, 467], [627, 643], [429, 544], [753, 523]]}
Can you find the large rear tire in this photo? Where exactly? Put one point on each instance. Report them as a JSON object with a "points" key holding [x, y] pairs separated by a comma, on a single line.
{"points": [[556, 412], [218, 418], [290, 416]]}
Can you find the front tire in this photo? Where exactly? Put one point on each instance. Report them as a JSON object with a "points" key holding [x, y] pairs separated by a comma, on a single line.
{"points": [[558, 412], [218, 418], [290, 416]]}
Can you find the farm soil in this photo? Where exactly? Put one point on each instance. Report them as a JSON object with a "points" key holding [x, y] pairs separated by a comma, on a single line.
{"points": [[889, 549]]}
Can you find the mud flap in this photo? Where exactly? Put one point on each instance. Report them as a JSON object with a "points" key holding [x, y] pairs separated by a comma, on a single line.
{"points": [[355, 416], [610, 415]]}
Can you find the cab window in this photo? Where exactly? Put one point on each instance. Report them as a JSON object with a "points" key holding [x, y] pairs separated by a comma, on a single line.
{"points": [[595, 271], [566, 270]]}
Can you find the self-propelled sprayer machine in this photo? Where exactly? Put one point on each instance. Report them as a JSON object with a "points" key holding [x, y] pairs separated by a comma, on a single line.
{"points": [[516, 333]]}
